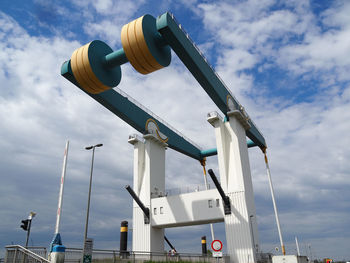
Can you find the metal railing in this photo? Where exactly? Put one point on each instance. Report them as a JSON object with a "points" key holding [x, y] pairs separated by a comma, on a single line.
{"points": [[41, 251], [19, 254], [73, 255], [186, 189]]}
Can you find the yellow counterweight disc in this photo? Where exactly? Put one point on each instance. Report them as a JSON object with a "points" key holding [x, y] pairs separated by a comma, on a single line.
{"points": [[131, 48], [140, 47], [143, 46], [86, 62], [78, 71]]}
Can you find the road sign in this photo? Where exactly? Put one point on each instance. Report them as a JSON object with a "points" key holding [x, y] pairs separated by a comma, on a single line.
{"points": [[216, 245], [88, 250], [217, 254]]}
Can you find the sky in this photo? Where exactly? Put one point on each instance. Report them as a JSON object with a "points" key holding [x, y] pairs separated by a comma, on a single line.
{"points": [[287, 62]]}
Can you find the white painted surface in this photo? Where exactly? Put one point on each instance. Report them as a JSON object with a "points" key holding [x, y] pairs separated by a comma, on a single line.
{"points": [[289, 259], [149, 174], [297, 244], [187, 209], [60, 195], [217, 254], [235, 179], [57, 257], [197, 207]]}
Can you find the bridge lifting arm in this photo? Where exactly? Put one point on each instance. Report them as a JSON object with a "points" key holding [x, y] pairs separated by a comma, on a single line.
{"points": [[225, 198], [146, 41], [190, 55], [124, 107]]}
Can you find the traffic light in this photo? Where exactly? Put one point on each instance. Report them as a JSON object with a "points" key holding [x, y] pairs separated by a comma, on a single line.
{"points": [[25, 224]]}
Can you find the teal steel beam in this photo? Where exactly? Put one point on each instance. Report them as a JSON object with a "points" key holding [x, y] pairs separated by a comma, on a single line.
{"points": [[190, 55], [209, 152], [135, 116], [214, 151]]}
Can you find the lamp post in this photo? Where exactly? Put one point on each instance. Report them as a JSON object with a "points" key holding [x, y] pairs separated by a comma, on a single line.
{"points": [[88, 204]]}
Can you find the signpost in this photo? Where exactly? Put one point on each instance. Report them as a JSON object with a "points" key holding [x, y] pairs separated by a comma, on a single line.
{"points": [[88, 250], [216, 246]]}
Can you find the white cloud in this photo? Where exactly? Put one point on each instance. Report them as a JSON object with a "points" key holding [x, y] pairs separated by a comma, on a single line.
{"points": [[109, 19], [308, 147], [250, 25], [321, 53]]}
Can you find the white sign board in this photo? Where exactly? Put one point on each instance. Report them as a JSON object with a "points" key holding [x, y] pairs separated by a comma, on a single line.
{"points": [[217, 254], [87, 257]]}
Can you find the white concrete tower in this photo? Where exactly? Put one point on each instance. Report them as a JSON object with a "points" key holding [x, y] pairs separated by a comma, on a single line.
{"points": [[149, 179], [235, 179]]}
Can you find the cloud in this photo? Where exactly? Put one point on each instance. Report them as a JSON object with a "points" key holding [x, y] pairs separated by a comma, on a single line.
{"points": [[40, 110], [308, 146], [104, 18]]}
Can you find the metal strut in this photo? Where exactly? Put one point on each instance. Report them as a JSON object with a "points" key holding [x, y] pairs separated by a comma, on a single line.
{"points": [[141, 205], [170, 245], [274, 202], [225, 198], [145, 210], [203, 163]]}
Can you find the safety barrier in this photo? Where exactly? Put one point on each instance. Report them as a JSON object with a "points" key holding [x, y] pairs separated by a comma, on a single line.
{"points": [[73, 255], [19, 254]]}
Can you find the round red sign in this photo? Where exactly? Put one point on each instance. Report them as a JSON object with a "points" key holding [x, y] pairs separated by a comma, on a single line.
{"points": [[216, 245]]}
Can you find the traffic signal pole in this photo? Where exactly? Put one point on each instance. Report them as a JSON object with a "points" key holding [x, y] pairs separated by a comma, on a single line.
{"points": [[26, 225], [28, 232]]}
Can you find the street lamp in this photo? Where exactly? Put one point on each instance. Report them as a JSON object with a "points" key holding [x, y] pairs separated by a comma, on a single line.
{"points": [[88, 204]]}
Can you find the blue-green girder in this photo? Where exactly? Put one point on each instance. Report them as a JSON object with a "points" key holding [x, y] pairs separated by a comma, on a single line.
{"points": [[195, 62]]}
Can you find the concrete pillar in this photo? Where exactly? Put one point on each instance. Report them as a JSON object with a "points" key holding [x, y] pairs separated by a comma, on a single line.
{"points": [[149, 180], [235, 179]]}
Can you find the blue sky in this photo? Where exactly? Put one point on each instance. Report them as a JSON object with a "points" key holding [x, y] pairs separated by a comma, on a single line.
{"points": [[287, 62]]}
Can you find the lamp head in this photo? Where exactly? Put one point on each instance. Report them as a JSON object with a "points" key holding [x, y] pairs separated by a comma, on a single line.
{"points": [[31, 215]]}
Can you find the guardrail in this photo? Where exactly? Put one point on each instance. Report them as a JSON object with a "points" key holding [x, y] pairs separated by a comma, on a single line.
{"points": [[19, 254], [73, 255], [183, 190]]}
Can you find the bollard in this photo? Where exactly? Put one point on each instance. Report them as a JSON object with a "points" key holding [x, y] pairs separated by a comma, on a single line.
{"points": [[57, 254], [204, 245], [123, 239]]}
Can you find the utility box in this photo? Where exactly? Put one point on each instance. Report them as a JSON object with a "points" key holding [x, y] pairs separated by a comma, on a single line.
{"points": [[289, 259]]}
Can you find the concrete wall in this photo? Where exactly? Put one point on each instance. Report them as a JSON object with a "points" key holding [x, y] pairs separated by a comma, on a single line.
{"points": [[195, 208]]}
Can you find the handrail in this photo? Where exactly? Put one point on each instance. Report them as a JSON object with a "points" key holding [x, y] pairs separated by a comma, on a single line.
{"points": [[28, 252]]}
